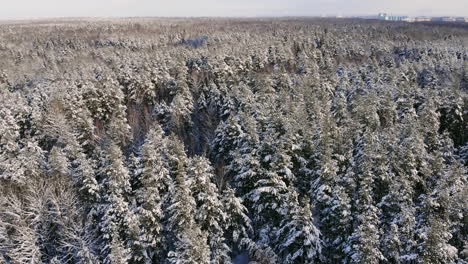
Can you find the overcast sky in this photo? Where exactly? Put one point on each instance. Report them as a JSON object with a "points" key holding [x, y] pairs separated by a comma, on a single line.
{"points": [[17, 9]]}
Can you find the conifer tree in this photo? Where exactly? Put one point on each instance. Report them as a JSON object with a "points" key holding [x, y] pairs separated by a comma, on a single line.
{"points": [[117, 219], [153, 179], [398, 213], [189, 241], [364, 241], [298, 240], [210, 213], [239, 225], [435, 219]]}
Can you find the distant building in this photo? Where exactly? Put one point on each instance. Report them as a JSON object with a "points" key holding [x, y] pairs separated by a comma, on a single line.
{"points": [[382, 16], [422, 19], [397, 18], [461, 19], [387, 17], [450, 19], [444, 19]]}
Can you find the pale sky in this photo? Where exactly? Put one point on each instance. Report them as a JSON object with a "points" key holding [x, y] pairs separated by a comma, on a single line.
{"points": [[19, 9]]}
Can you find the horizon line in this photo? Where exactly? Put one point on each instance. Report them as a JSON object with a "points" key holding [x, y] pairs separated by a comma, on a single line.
{"points": [[38, 18]]}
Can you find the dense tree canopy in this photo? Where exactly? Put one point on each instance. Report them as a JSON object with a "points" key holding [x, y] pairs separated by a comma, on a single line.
{"points": [[233, 141]]}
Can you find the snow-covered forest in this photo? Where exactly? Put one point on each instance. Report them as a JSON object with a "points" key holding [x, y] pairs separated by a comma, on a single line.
{"points": [[193, 141]]}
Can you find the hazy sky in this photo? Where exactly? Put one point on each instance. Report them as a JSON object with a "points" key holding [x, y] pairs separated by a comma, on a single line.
{"points": [[10, 9]]}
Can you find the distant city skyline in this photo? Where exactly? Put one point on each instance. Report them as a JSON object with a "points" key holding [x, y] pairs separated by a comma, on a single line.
{"points": [[24, 9]]}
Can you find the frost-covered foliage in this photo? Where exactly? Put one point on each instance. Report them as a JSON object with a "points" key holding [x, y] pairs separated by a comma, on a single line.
{"points": [[217, 140]]}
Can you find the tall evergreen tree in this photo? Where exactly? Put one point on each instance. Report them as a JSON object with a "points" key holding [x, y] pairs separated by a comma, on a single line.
{"points": [[298, 240], [188, 241], [364, 241], [117, 219], [152, 194], [238, 225], [210, 213]]}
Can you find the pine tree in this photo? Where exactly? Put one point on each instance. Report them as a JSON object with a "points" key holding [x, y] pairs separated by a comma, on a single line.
{"points": [[335, 224], [117, 219], [58, 162], [182, 104], [398, 213], [106, 104], [429, 124], [364, 241], [332, 202], [10, 133], [209, 213], [84, 175], [153, 179], [20, 218], [435, 220], [229, 137], [20, 154], [189, 242], [238, 225], [298, 240]]}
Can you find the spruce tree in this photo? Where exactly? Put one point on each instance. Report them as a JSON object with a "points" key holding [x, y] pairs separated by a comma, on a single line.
{"points": [[364, 241], [153, 180], [117, 219], [209, 214], [188, 240]]}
